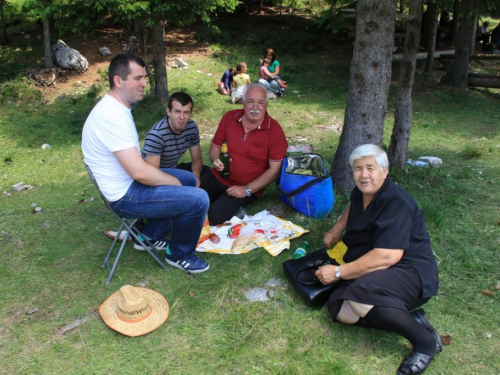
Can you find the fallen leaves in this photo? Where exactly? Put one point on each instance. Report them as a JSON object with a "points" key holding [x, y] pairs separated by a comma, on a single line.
{"points": [[446, 339], [487, 292]]}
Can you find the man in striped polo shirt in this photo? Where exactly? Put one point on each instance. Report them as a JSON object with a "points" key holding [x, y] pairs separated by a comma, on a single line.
{"points": [[173, 135]]}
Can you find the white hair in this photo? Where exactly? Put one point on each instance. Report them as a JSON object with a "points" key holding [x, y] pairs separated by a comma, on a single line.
{"points": [[245, 89], [370, 150]]}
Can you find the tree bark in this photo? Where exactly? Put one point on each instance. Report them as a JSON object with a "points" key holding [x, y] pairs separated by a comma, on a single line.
{"points": [[5, 36], [431, 33], [460, 68], [146, 61], [474, 20], [398, 148], [369, 83], [456, 11], [160, 71], [46, 44]]}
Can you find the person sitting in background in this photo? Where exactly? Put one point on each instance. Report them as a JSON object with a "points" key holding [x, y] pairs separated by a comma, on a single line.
{"points": [[268, 76], [240, 80], [495, 38], [389, 269], [225, 83], [483, 35], [274, 69]]}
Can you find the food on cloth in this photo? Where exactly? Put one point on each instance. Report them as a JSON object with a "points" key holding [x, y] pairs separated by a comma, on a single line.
{"points": [[245, 242], [214, 238], [234, 231]]}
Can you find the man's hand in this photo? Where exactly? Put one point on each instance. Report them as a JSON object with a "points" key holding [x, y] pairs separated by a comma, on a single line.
{"points": [[236, 191], [218, 165], [198, 181]]}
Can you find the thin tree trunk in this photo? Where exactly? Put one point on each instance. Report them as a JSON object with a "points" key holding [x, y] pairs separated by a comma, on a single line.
{"points": [[401, 6], [46, 43], [398, 148], [160, 71], [456, 11], [474, 20], [460, 70], [369, 84], [431, 33], [146, 61], [5, 37]]}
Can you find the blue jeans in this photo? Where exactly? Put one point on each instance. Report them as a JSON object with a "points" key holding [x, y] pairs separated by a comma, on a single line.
{"points": [[183, 208]]}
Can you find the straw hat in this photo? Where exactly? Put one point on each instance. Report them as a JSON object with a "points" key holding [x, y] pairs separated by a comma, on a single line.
{"points": [[134, 311]]}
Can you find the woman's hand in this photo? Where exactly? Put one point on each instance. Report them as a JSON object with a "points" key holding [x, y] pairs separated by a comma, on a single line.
{"points": [[326, 274], [332, 236]]}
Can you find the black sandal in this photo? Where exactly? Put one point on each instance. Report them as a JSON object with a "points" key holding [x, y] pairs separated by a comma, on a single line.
{"points": [[415, 363]]}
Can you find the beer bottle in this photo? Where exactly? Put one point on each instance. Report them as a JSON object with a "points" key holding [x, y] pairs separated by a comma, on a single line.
{"points": [[224, 158]]}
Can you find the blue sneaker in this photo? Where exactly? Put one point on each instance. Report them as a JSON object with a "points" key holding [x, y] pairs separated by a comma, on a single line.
{"points": [[190, 264], [157, 244]]}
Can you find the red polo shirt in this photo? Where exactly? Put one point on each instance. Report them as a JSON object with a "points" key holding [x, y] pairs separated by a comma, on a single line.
{"points": [[250, 154]]}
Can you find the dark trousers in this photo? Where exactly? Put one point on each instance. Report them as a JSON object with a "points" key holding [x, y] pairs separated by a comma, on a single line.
{"points": [[222, 207]]}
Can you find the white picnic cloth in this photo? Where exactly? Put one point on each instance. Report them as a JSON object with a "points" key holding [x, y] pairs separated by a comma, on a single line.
{"points": [[275, 238]]}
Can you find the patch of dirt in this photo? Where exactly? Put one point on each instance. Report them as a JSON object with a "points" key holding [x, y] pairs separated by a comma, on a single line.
{"points": [[178, 43]]}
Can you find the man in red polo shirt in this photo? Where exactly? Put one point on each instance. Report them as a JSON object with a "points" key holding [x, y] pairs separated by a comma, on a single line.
{"points": [[256, 145]]}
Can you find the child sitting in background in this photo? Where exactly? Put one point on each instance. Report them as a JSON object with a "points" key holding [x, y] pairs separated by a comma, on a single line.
{"points": [[224, 85], [240, 80], [268, 76]]}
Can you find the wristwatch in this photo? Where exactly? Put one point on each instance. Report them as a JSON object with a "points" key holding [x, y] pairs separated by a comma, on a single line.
{"points": [[337, 272], [248, 192]]}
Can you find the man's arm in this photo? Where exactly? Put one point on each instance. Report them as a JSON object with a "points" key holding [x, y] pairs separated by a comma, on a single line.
{"points": [[259, 183], [213, 154], [196, 162], [143, 172], [154, 160]]}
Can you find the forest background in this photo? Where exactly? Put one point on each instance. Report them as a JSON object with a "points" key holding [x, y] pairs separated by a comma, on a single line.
{"points": [[51, 283]]}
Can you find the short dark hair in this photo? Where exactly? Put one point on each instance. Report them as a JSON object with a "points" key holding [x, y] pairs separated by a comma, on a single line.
{"points": [[120, 66], [180, 97]]}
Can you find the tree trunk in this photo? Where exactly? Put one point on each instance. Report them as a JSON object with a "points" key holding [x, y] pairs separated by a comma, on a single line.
{"points": [[369, 83], [398, 148], [431, 33], [401, 6], [456, 11], [146, 61], [474, 20], [5, 36], [160, 71], [460, 68], [46, 43]]}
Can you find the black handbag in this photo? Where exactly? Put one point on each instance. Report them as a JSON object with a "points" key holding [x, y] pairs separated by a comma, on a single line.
{"points": [[300, 273]]}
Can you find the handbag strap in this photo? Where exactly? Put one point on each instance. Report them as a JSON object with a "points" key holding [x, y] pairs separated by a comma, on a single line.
{"points": [[300, 189]]}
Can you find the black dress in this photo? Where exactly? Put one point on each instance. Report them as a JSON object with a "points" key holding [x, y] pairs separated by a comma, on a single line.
{"points": [[391, 221]]}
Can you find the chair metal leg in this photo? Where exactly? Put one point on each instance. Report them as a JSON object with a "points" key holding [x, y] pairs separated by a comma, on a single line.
{"points": [[133, 232], [115, 263]]}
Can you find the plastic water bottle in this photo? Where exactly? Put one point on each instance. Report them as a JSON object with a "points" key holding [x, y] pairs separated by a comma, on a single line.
{"points": [[301, 250]]}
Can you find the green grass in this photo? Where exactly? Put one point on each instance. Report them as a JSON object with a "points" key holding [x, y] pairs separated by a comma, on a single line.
{"points": [[50, 273]]}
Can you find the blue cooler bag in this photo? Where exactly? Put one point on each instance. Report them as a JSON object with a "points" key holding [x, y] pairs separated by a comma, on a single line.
{"points": [[304, 185]]}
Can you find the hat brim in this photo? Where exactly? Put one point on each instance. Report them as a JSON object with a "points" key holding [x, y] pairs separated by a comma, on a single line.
{"points": [[159, 314]]}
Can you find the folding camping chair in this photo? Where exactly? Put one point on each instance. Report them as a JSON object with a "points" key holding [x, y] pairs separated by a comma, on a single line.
{"points": [[128, 225]]}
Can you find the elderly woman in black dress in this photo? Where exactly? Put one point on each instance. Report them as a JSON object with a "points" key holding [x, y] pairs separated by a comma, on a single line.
{"points": [[389, 269]]}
